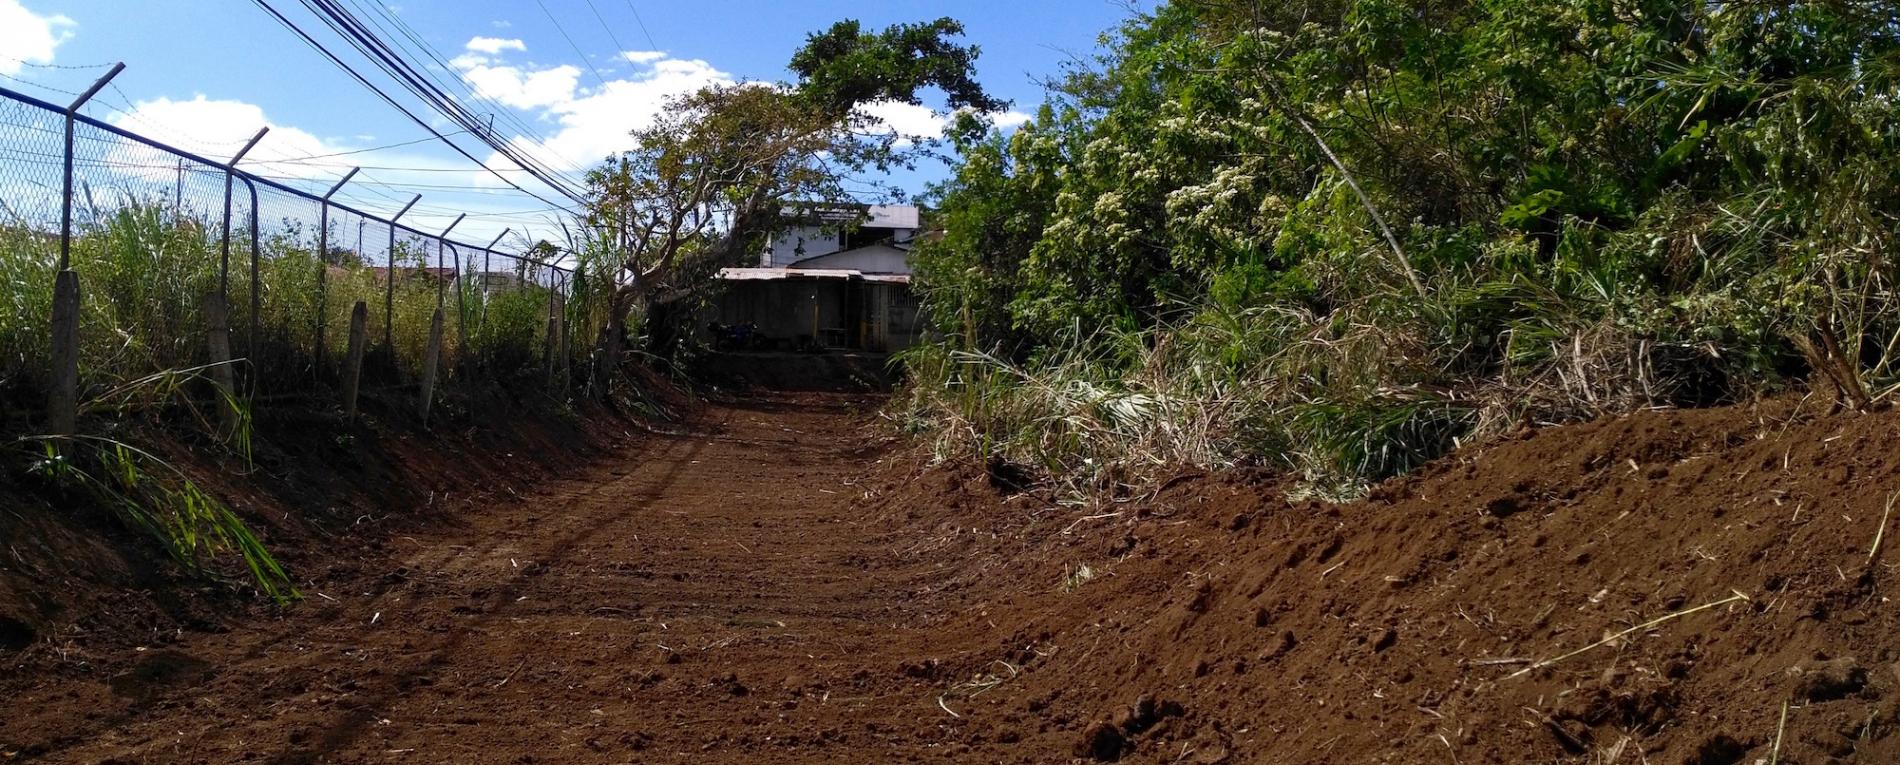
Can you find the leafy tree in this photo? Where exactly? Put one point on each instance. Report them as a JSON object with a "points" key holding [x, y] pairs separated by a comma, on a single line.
{"points": [[845, 67], [713, 174], [1431, 217]]}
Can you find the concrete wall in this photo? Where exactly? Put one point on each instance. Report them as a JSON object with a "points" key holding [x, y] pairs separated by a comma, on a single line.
{"points": [[899, 222], [784, 309], [884, 318], [800, 243], [876, 259]]}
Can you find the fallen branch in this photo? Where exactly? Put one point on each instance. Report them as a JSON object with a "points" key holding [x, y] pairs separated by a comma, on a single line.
{"points": [[1738, 596]]}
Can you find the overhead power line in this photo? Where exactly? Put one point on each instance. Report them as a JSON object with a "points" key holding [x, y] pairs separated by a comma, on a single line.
{"points": [[393, 65], [418, 83], [498, 111], [608, 28], [643, 25], [570, 43]]}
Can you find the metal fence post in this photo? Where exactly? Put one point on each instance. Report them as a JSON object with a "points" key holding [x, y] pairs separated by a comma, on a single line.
{"points": [[431, 358], [224, 244], [217, 309], [62, 398], [432, 355], [323, 264], [461, 308], [481, 322], [389, 278], [353, 357], [441, 242], [66, 204], [567, 337], [551, 356], [251, 349]]}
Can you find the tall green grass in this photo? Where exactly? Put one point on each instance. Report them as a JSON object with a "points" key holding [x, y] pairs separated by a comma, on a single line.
{"points": [[1373, 380], [1339, 239], [145, 271]]}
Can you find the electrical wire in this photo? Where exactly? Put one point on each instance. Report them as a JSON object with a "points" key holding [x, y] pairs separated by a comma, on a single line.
{"points": [[604, 27], [499, 111], [643, 25], [385, 96], [360, 78], [570, 43], [405, 73], [305, 160]]}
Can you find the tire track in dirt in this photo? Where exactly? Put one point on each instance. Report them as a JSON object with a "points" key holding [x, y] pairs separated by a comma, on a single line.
{"points": [[677, 603]]}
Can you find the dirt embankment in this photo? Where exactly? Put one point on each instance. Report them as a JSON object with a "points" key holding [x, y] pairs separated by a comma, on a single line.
{"points": [[1652, 589], [81, 584], [774, 583]]}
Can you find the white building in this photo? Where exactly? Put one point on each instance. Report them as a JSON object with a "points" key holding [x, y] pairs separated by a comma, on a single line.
{"points": [[836, 277], [878, 243]]}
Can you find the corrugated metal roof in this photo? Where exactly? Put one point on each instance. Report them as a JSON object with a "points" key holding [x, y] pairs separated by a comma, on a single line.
{"points": [[779, 274], [873, 216]]}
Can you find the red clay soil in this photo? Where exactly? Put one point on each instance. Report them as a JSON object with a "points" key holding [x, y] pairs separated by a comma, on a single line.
{"points": [[776, 583]]}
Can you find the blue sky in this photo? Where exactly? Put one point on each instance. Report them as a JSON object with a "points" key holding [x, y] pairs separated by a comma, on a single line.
{"points": [[204, 74]]}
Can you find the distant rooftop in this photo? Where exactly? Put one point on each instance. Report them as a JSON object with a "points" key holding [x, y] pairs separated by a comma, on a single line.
{"points": [[876, 216]]}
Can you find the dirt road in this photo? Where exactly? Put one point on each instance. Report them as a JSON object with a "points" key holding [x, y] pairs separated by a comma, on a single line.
{"points": [[1703, 587], [707, 596]]}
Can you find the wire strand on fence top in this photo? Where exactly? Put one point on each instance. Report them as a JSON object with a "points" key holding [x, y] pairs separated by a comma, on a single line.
{"points": [[260, 180]]}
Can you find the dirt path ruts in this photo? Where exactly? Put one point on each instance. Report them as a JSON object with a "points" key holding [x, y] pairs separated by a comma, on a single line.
{"points": [[706, 597]]}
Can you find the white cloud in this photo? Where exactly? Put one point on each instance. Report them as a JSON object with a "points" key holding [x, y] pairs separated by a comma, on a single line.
{"points": [[501, 23], [217, 128], [922, 123], [521, 88], [29, 37], [1011, 119], [598, 124], [907, 120], [594, 123], [495, 45], [590, 123]]}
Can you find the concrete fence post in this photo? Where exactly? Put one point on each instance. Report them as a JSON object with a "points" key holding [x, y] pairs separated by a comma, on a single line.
{"points": [[218, 344], [431, 359], [353, 362], [62, 402]]}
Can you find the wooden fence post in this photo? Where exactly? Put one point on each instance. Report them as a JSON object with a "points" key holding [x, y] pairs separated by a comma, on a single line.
{"points": [[218, 342], [431, 358], [62, 402], [353, 363]]}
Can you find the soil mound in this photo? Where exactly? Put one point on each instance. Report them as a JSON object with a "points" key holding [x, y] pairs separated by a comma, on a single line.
{"points": [[1653, 588], [1660, 588], [78, 585]]}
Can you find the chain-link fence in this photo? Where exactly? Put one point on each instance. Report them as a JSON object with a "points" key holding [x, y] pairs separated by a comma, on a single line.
{"points": [[160, 238]]}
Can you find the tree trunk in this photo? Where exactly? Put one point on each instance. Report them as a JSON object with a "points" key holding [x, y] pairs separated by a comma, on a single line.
{"points": [[607, 353], [663, 329]]}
